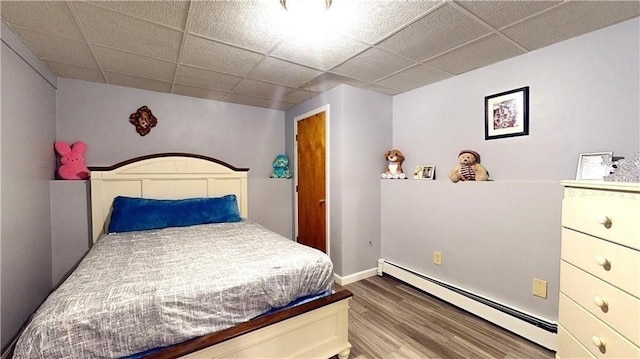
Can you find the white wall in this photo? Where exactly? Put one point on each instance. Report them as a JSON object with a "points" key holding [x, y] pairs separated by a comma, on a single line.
{"points": [[495, 237], [27, 165]]}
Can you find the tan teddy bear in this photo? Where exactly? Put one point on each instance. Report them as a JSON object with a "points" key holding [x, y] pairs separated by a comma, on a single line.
{"points": [[468, 168]]}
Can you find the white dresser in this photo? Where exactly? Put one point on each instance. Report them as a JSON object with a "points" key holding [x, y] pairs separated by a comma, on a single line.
{"points": [[599, 309]]}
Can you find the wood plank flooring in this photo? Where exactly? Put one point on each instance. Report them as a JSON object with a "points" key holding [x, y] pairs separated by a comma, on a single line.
{"points": [[389, 319]]}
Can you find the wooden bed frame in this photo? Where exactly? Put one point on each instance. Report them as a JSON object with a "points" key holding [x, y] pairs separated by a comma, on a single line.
{"points": [[318, 329]]}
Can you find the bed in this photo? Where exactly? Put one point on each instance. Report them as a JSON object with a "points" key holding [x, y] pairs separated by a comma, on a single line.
{"points": [[227, 289]]}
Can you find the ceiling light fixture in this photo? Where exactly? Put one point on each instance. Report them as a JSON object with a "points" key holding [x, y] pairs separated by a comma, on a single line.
{"points": [[306, 6]]}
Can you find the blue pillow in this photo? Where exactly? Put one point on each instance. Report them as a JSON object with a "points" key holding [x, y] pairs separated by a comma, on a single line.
{"points": [[137, 214]]}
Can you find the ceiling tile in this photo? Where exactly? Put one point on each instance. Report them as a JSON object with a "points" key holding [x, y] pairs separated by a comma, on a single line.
{"points": [[252, 25], [372, 65], [483, 52], [282, 106], [381, 89], [439, 31], [252, 48], [571, 19], [372, 20], [205, 79], [322, 53], [198, 92], [59, 49], [248, 100], [299, 96], [502, 13], [261, 89], [110, 29], [76, 72], [207, 54], [327, 81], [413, 78], [52, 17], [282, 72], [170, 13], [136, 65], [114, 78]]}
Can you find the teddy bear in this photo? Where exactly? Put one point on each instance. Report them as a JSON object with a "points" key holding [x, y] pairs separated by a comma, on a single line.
{"points": [[281, 167], [468, 168], [394, 160], [72, 165]]}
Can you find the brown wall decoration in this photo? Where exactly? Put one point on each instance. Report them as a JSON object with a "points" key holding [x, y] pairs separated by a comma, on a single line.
{"points": [[144, 120]]}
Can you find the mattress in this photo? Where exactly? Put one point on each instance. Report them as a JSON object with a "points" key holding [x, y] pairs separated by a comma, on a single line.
{"points": [[140, 290]]}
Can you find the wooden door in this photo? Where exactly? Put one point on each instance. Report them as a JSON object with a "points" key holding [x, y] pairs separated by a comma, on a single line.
{"points": [[311, 181]]}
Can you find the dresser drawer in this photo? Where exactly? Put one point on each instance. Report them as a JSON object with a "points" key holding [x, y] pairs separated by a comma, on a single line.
{"points": [[616, 308], [569, 347], [606, 214], [621, 265], [586, 328]]}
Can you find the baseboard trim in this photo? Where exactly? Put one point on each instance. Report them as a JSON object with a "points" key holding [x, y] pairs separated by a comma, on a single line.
{"points": [[352, 278], [535, 329]]}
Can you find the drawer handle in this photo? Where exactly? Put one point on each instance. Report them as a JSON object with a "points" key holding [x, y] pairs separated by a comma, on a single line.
{"points": [[599, 343], [605, 221], [603, 262], [601, 302]]}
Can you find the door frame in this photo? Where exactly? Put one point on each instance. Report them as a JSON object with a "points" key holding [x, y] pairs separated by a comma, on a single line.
{"points": [[327, 210]]}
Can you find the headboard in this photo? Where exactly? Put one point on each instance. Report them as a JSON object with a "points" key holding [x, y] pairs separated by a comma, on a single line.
{"points": [[163, 176]]}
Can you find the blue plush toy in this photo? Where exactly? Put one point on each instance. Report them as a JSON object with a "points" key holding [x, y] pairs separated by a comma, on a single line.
{"points": [[281, 167]]}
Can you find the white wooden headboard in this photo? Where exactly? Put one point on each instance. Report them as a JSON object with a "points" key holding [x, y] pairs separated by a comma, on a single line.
{"points": [[163, 176]]}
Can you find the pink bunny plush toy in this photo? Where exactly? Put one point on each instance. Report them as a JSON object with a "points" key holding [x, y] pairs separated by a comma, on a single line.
{"points": [[72, 166]]}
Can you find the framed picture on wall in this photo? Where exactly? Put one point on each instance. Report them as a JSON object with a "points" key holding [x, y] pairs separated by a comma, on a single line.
{"points": [[506, 114], [425, 172], [592, 166]]}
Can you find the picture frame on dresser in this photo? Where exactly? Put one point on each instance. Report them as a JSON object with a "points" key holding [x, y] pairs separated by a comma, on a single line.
{"points": [[593, 167], [506, 114]]}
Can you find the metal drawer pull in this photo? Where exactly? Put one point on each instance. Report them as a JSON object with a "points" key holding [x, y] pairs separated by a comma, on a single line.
{"points": [[601, 302]]}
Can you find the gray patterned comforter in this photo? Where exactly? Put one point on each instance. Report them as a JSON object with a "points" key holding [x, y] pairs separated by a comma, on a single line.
{"points": [[140, 290]]}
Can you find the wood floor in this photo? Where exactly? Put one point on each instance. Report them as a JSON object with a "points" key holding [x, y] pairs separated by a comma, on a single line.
{"points": [[388, 319]]}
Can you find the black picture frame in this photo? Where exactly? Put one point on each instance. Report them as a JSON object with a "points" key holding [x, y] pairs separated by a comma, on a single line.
{"points": [[506, 114]]}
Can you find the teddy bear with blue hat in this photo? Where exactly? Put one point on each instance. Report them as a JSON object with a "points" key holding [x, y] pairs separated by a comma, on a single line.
{"points": [[281, 167]]}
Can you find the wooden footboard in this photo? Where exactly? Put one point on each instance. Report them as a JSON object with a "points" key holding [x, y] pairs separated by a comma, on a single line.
{"points": [[318, 329]]}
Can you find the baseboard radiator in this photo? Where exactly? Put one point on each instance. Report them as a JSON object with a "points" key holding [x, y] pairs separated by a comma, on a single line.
{"points": [[535, 329]]}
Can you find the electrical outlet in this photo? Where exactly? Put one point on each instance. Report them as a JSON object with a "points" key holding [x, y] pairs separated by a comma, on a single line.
{"points": [[540, 288], [437, 258]]}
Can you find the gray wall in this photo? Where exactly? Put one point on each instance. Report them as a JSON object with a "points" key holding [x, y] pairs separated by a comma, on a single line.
{"points": [[70, 226], [583, 98], [243, 136], [27, 165], [359, 135], [98, 114], [495, 237]]}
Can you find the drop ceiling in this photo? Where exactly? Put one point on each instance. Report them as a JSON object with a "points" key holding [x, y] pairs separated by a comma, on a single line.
{"points": [[253, 52]]}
